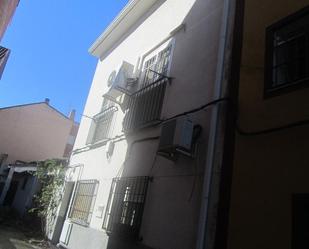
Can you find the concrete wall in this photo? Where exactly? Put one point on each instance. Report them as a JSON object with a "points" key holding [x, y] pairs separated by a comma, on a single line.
{"points": [[268, 168], [172, 206], [7, 9], [33, 133]]}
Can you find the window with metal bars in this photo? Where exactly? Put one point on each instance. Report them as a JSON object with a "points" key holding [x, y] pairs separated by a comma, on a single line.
{"points": [[156, 66], [102, 123], [4, 55], [287, 54], [83, 202], [144, 106], [125, 206]]}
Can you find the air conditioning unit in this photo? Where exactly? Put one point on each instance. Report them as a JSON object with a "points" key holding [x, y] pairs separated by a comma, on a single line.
{"points": [[118, 81], [176, 137]]}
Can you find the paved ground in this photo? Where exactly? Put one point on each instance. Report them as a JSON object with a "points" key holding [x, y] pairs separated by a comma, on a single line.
{"points": [[11, 238]]}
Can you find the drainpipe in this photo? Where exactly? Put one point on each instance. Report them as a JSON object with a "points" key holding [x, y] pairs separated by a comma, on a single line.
{"points": [[203, 239]]}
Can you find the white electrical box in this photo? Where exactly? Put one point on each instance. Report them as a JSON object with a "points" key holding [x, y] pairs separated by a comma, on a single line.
{"points": [[176, 136]]}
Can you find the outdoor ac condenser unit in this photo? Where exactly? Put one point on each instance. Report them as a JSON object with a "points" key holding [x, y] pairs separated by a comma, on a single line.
{"points": [[118, 81], [176, 137]]}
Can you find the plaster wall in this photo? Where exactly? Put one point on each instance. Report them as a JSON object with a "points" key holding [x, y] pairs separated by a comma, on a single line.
{"points": [[172, 205], [33, 133], [268, 168]]}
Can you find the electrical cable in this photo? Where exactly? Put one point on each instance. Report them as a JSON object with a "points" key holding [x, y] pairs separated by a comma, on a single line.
{"points": [[240, 131], [196, 175], [214, 102], [121, 137]]}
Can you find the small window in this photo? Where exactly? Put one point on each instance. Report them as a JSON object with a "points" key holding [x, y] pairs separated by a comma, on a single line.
{"points": [[287, 54], [164, 60], [149, 68], [157, 66], [102, 123], [83, 202], [125, 205]]}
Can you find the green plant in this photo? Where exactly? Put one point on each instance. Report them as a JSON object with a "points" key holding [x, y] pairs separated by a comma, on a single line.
{"points": [[51, 177]]}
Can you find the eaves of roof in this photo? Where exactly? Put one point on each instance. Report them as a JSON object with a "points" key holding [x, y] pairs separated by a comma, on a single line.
{"points": [[131, 13]]}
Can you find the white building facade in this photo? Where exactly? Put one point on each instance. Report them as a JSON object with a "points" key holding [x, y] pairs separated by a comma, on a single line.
{"points": [[139, 159]]}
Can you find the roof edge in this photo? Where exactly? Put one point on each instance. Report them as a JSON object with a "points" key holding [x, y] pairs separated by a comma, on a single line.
{"points": [[129, 15], [37, 103]]}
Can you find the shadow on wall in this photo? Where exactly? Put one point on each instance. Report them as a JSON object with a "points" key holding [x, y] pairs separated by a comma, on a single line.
{"points": [[137, 171]]}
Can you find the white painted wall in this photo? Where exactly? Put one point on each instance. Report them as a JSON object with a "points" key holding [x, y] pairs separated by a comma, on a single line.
{"points": [[170, 215]]}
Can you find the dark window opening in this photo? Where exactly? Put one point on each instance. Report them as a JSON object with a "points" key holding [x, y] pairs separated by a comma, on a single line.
{"points": [[287, 54], [23, 187], [125, 206]]}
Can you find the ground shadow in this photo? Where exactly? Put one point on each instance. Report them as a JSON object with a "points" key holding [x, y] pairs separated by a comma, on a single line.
{"points": [[12, 239]]}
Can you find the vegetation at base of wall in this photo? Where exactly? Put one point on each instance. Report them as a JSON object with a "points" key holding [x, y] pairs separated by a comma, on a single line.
{"points": [[51, 177]]}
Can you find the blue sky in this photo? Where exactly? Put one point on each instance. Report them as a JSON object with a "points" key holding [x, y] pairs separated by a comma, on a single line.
{"points": [[49, 41]]}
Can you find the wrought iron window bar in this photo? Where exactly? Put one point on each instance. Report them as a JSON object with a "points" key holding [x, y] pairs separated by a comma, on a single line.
{"points": [[103, 124], [144, 106], [83, 202], [125, 206]]}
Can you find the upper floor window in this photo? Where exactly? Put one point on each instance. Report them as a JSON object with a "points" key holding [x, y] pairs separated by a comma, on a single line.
{"points": [[157, 66], [144, 106], [102, 123], [287, 54]]}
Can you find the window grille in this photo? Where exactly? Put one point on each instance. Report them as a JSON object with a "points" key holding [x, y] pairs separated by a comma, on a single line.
{"points": [[4, 55], [83, 201], [103, 124], [144, 107], [149, 68], [156, 66], [287, 53], [164, 60], [125, 205], [3, 52]]}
